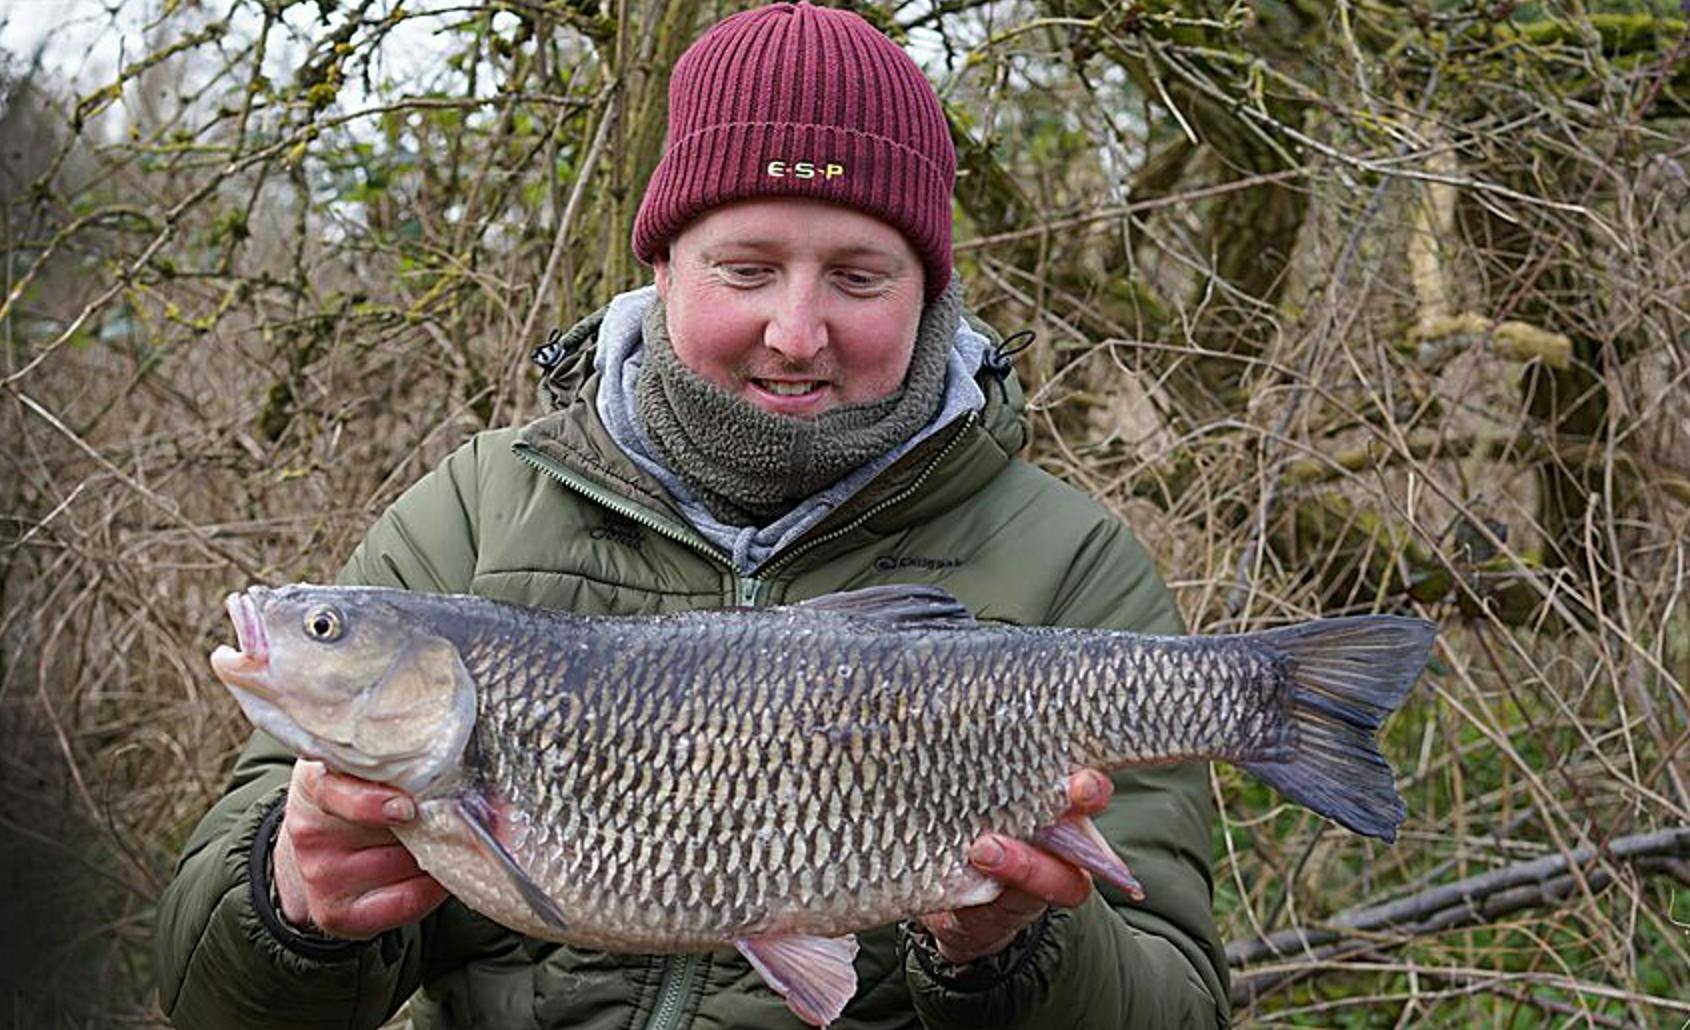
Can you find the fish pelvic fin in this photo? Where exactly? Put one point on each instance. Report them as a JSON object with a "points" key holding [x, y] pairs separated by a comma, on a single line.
{"points": [[478, 815], [1077, 839], [1348, 675], [815, 975]]}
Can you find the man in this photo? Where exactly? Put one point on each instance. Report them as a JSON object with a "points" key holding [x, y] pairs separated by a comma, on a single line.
{"points": [[796, 407]]}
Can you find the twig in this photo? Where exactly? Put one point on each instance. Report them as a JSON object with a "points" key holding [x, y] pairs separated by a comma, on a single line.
{"points": [[1245, 571], [1474, 900], [1109, 214], [561, 237], [169, 510]]}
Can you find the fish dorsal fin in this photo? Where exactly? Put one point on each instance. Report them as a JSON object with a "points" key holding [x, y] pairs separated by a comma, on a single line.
{"points": [[478, 815], [895, 602], [814, 974]]}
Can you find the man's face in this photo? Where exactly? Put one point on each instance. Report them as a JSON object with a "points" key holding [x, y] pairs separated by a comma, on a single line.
{"points": [[795, 305]]}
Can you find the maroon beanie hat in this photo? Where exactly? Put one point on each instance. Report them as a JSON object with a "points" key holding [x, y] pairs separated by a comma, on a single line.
{"points": [[792, 100]]}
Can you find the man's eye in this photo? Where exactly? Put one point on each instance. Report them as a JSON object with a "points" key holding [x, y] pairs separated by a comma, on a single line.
{"points": [[860, 281], [743, 273]]}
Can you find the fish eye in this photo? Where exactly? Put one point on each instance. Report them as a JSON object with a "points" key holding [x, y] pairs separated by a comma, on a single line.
{"points": [[324, 624]]}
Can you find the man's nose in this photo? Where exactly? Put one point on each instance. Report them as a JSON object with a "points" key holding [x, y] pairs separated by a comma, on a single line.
{"points": [[798, 329]]}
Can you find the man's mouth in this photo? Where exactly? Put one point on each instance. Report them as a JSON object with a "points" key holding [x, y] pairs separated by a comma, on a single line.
{"points": [[789, 387]]}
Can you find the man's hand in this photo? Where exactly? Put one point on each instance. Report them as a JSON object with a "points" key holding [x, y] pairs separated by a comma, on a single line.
{"points": [[1033, 879], [338, 866]]}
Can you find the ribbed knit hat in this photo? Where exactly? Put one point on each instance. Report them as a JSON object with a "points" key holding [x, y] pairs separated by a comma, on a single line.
{"points": [[792, 100]]}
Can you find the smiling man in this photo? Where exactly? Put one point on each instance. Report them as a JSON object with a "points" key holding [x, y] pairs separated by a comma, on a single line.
{"points": [[791, 353], [796, 406]]}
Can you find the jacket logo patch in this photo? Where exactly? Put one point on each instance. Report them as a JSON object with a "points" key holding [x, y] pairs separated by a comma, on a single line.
{"points": [[826, 171], [890, 563], [625, 533]]}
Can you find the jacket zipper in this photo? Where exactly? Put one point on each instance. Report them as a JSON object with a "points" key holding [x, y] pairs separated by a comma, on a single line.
{"points": [[632, 512], [898, 498], [680, 972], [748, 590]]}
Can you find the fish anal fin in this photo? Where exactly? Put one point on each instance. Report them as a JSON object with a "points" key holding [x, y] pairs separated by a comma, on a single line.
{"points": [[897, 602], [478, 816], [814, 974], [1077, 839]]}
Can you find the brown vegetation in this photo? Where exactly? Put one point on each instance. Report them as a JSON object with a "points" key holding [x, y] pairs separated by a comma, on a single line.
{"points": [[1346, 307]]}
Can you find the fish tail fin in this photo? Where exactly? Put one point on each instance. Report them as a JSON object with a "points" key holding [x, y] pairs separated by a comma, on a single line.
{"points": [[1348, 676]]}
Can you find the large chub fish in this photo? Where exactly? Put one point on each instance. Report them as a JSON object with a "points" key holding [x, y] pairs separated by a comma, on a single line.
{"points": [[777, 779]]}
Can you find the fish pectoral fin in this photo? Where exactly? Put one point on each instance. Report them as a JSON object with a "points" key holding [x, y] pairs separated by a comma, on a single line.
{"points": [[899, 602], [1077, 839], [814, 974], [478, 816]]}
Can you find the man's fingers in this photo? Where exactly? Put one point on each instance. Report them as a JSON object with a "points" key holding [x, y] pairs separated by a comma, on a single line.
{"points": [[1089, 792], [1030, 870], [306, 775], [942, 924], [349, 873], [362, 802], [375, 911], [360, 893], [311, 829], [1012, 910], [338, 864], [1033, 880], [968, 933]]}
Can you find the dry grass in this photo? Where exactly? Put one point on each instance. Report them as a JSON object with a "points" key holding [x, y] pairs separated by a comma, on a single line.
{"points": [[1421, 345]]}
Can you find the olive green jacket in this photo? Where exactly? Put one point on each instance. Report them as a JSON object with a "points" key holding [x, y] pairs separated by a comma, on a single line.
{"points": [[554, 515]]}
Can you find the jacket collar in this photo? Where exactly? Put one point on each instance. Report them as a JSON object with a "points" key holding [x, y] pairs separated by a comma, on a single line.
{"points": [[947, 468]]}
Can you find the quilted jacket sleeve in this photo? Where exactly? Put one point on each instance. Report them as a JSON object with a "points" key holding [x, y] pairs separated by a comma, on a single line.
{"points": [[1110, 964]]}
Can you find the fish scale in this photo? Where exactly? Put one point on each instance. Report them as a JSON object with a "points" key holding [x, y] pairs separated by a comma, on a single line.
{"points": [[768, 778], [1028, 721]]}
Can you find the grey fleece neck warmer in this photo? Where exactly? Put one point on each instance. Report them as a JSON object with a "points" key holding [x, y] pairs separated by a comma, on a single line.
{"points": [[748, 465]]}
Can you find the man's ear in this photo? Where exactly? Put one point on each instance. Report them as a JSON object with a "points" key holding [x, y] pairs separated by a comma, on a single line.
{"points": [[660, 269]]}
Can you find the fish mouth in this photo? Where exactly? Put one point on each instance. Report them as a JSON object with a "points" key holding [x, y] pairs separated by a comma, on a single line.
{"points": [[247, 665]]}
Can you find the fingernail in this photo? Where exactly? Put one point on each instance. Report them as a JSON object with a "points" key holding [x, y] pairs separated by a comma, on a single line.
{"points": [[398, 810], [1089, 791], [986, 853]]}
